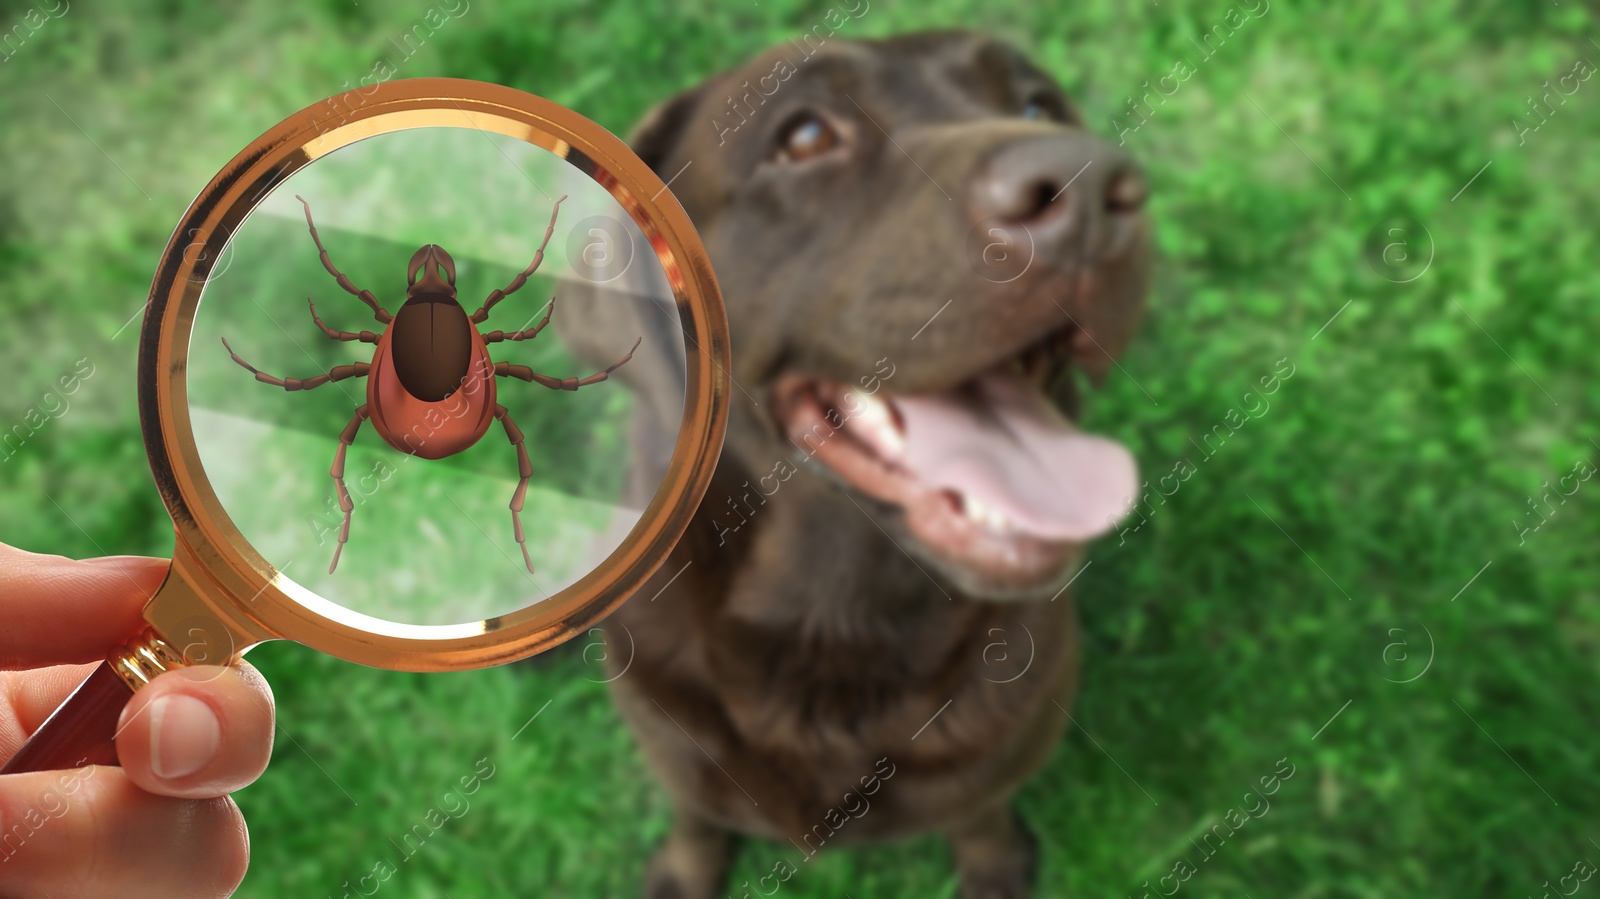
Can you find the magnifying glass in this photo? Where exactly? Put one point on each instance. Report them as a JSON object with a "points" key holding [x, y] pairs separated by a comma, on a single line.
{"points": [[432, 377]]}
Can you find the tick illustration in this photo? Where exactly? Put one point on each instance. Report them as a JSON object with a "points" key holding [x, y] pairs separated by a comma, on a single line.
{"points": [[431, 383]]}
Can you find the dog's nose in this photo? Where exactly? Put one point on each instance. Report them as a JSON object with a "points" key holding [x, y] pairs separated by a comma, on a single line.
{"points": [[1059, 188]]}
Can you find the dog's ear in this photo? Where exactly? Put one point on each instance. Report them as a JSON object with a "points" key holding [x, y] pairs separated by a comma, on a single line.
{"points": [[663, 127]]}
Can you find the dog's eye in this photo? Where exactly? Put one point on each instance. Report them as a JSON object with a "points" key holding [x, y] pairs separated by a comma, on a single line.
{"points": [[804, 137], [1042, 108]]}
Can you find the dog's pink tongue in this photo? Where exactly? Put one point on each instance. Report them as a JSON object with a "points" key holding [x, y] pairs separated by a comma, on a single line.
{"points": [[1006, 447]]}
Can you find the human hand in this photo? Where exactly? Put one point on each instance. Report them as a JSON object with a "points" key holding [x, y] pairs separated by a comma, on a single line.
{"points": [[162, 824]]}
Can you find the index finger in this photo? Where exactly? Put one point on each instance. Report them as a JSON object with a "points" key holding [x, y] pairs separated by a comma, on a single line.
{"points": [[58, 611]]}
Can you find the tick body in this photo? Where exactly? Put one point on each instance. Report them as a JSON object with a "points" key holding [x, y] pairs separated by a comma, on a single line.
{"points": [[431, 382]]}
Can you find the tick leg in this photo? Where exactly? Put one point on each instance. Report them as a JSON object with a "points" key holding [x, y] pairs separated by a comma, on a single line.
{"points": [[531, 333], [345, 505], [525, 470], [364, 336], [339, 373], [507, 370], [327, 263], [519, 280]]}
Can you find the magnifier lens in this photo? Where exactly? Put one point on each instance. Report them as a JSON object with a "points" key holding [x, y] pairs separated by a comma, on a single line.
{"points": [[431, 385], [434, 416]]}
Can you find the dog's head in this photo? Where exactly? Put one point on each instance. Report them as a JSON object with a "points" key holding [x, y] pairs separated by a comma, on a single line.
{"points": [[921, 247]]}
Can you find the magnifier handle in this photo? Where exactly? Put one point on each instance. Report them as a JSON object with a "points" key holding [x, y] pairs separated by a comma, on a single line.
{"points": [[82, 731]]}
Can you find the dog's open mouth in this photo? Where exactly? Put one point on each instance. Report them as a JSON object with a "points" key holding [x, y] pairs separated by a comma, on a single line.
{"points": [[989, 474]]}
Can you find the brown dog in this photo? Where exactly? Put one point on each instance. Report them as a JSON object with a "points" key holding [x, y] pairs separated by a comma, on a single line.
{"points": [[865, 635]]}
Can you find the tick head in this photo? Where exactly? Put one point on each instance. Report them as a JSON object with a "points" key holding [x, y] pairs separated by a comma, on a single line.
{"points": [[431, 271]]}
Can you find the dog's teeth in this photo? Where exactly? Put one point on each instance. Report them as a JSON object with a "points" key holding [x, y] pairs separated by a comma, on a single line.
{"points": [[875, 424], [989, 517]]}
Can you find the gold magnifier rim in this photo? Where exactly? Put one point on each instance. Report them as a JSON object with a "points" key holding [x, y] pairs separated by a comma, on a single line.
{"points": [[247, 593]]}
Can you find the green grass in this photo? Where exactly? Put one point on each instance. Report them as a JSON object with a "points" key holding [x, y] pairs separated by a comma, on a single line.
{"points": [[1222, 636]]}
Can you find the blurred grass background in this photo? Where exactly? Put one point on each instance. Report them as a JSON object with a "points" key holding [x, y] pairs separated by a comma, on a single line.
{"points": [[1267, 596]]}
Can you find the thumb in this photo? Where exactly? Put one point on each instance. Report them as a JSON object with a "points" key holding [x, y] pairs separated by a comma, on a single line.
{"points": [[198, 733]]}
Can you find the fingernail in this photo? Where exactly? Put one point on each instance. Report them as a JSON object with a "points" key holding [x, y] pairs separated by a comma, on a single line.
{"points": [[184, 735], [125, 561]]}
